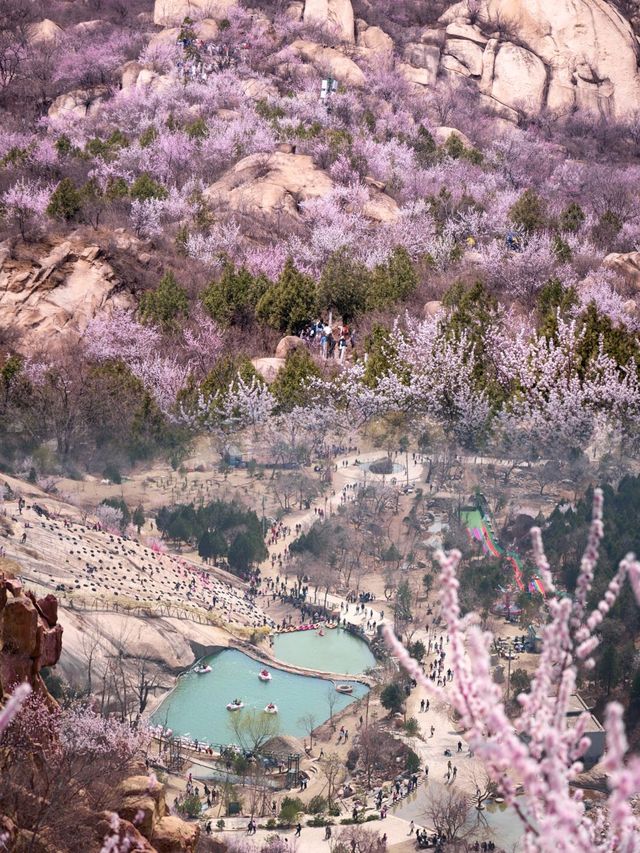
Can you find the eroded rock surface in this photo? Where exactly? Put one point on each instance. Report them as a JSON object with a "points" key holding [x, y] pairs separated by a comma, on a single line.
{"points": [[58, 293]]}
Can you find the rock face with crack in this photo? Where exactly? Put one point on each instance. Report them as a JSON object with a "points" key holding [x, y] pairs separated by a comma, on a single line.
{"points": [[530, 55], [54, 296]]}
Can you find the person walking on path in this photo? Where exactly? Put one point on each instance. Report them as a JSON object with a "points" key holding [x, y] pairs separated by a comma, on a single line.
{"points": [[298, 830]]}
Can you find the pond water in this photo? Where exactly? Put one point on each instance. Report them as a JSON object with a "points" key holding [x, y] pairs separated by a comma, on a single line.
{"points": [[497, 822], [197, 706], [396, 467], [337, 651]]}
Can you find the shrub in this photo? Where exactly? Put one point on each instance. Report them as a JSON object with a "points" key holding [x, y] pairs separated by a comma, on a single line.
{"points": [[571, 218], [529, 212], [190, 806], [413, 762], [319, 821], [65, 202], [165, 305], [291, 386], [290, 303], [112, 472], [145, 188], [392, 281], [392, 697], [317, 805], [412, 727], [290, 809]]}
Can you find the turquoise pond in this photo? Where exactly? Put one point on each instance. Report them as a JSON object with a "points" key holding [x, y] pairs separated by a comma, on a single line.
{"points": [[197, 706], [337, 651]]}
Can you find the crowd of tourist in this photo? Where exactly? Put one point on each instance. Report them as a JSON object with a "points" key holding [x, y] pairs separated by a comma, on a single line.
{"points": [[321, 334]]}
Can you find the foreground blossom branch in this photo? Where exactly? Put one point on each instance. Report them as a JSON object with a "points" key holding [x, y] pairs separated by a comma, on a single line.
{"points": [[539, 750], [12, 707]]}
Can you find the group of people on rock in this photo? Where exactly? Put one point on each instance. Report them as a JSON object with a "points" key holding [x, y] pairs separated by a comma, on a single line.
{"points": [[321, 333]]}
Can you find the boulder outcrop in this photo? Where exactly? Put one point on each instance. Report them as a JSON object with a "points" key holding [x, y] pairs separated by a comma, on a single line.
{"points": [[57, 294], [276, 184], [30, 636], [44, 31], [334, 15], [330, 61], [266, 183], [79, 103], [558, 54], [288, 344], [432, 308], [441, 134], [141, 803], [30, 639], [171, 13], [173, 835], [373, 40], [268, 368], [626, 264]]}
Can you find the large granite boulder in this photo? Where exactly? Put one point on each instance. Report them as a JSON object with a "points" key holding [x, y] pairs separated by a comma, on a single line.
{"points": [[627, 265], [268, 368], [288, 344], [79, 103], [330, 61], [44, 31], [569, 54], [266, 183], [277, 184], [519, 79], [172, 835], [171, 13], [139, 800], [374, 39], [421, 63], [333, 15]]}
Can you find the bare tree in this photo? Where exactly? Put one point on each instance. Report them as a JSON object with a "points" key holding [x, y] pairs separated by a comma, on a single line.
{"points": [[309, 723], [448, 811], [483, 786], [332, 699], [15, 17], [546, 473], [142, 681], [91, 643], [335, 772]]}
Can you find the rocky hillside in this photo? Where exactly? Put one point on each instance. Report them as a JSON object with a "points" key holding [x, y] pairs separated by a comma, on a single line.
{"points": [[185, 184]]}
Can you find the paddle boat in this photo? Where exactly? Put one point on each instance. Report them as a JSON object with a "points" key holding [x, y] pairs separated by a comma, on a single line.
{"points": [[235, 705], [344, 688], [201, 670], [264, 675], [271, 709]]}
